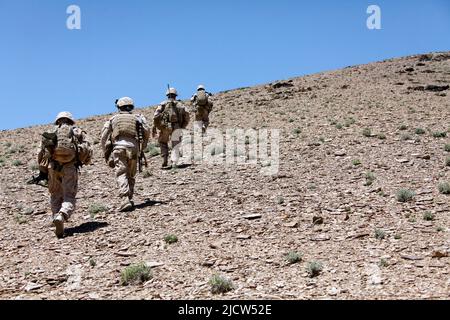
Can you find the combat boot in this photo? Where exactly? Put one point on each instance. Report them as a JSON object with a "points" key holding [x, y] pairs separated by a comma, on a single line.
{"points": [[126, 206], [58, 222], [165, 162]]}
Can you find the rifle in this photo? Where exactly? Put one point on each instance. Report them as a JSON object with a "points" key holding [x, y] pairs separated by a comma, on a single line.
{"points": [[141, 153], [36, 180]]}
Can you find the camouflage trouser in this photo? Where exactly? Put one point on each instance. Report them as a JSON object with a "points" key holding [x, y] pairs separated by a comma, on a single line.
{"points": [[164, 138], [63, 188], [202, 115], [125, 161]]}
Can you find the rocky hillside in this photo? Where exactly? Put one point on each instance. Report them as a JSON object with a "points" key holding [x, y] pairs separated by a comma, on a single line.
{"points": [[360, 203]]}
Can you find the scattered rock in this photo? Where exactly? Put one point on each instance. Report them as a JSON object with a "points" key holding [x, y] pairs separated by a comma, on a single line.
{"points": [[440, 253], [154, 264], [208, 263], [31, 286], [340, 153], [358, 235], [279, 85], [293, 224], [435, 88], [317, 220], [215, 245], [333, 292], [125, 254], [431, 88], [411, 257], [321, 237], [252, 216]]}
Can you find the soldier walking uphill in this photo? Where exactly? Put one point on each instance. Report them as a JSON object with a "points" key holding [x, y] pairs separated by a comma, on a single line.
{"points": [[202, 107], [169, 117], [124, 138], [63, 151]]}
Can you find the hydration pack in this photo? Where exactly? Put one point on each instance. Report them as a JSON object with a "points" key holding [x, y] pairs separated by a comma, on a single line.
{"points": [[64, 146], [202, 98]]}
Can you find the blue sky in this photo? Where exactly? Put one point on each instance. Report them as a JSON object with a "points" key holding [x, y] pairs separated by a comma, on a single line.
{"points": [[135, 47]]}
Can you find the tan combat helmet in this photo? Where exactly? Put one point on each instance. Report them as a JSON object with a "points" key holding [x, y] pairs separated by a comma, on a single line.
{"points": [[201, 87], [64, 115], [125, 102], [172, 91]]}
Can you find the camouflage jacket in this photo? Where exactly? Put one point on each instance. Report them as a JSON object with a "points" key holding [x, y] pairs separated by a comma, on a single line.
{"points": [[107, 131], [171, 115], [82, 141]]}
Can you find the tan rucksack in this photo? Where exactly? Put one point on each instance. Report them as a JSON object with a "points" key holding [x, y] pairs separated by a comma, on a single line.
{"points": [[65, 149], [124, 125], [170, 115], [202, 98]]}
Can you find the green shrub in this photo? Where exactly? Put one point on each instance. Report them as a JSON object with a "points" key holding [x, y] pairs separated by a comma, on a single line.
{"points": [[447, 147], [17, 163], [348, 122], [382, 136], [136, 274], [428, 216], [439, 134], [147, 174], [405, 195], [96, 208], [444, 188], [20, 219], [370, 178], [153, 150], [447, 162], [383, 263], [220, 284], [356, 162], [294, 257], [367, 132], [314, 269], [34, 167], [380, 234], [406, 137], [403, 127], [420, 131], [171, 239], [280, 200]]}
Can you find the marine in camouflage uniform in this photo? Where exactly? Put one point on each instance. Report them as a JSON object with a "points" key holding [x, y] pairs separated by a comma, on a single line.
{"points": [[63, 150], [169, 117], [203, 109], [121, 146]]}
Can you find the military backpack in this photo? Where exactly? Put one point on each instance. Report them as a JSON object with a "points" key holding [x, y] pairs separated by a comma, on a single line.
{"points": [[61, 144], [202, 99]]}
